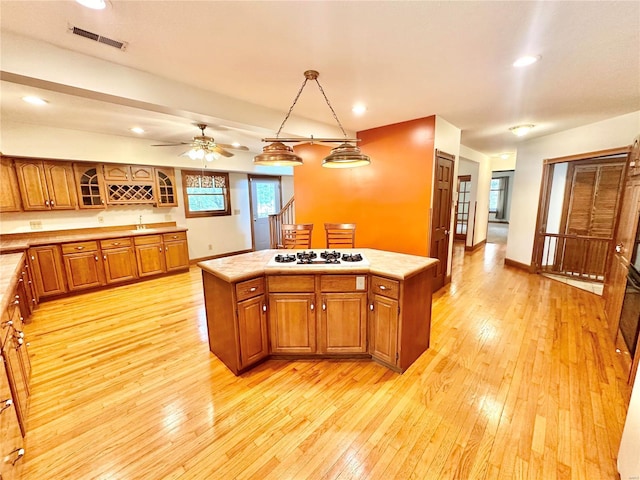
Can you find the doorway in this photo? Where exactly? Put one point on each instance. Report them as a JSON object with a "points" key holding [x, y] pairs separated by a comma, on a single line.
{"points": [[463, 207], [441, 218], [265, 199]]}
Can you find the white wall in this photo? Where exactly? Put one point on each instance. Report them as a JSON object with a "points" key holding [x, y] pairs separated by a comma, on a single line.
{"points": [[482, 194], [611, 133]]}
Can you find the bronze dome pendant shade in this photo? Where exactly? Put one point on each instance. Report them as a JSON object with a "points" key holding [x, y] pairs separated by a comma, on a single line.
{"points": [[346, 155]]}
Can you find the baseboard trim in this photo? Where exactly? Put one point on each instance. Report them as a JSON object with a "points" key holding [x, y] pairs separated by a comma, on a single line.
{"points": [[475, 247], [522, 266], [193, 261]]}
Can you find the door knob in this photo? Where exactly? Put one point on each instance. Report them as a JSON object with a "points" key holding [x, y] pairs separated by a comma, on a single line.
{"points": [[619, 248]]}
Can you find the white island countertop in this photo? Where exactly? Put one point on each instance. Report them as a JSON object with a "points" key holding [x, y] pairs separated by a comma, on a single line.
{"points": [[247, 265]]}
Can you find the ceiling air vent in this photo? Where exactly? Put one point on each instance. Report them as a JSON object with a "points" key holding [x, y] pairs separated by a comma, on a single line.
{"points": [[98, 38]]}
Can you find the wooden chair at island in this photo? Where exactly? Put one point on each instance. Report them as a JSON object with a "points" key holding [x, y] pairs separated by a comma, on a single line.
{"points": [[297, 235], [340, 235]]}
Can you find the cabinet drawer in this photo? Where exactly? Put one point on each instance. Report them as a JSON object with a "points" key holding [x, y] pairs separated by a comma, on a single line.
{"points": [[172, 237], [249, 288], [291, 283], [115, 243], [384, 286], [148, 240], [76, 247], [343, 283]]}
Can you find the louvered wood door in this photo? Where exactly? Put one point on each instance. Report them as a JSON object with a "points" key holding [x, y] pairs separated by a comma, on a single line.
{"points": [[592, 209]]}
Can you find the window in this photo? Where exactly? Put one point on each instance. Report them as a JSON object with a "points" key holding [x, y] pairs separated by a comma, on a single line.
{"points": [[494, 194], [498, 197], [206, 194]]}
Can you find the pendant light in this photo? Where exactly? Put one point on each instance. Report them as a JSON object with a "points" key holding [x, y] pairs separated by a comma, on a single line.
{"points": [[345, 155]]}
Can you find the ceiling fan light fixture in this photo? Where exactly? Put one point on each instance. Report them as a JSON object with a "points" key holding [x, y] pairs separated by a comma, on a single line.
{"points": [[343, 156], [346, 156], [277, 154], [521, 130]]}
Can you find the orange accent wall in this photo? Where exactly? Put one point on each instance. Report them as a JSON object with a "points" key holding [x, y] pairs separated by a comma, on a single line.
{"points": [[389, 200]]}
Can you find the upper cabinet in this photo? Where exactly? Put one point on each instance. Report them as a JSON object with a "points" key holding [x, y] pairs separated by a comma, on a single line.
{"points": [[9, 190], [166, 187], [90, 185], [38, 184], [46, 185]]}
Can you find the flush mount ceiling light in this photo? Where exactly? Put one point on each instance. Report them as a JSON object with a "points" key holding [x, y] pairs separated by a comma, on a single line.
{"points": [[34, 100], [93, 4], [359, 109], [137, 130], [521, 130], [278, 154], [526, 60]]}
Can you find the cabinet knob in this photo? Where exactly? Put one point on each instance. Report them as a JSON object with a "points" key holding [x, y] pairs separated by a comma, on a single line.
{"points": [[16, 302], [324, 306], [96, 257], [46, 202], [312, 306], [264, 307], [253, 289], [371, 307], [382, 287], [53, 204], [17, 297], [19, 334], [6, 404], [160, 248], [20, 280], [104, 257], [80, 247], [116, 243], [33, 258]]}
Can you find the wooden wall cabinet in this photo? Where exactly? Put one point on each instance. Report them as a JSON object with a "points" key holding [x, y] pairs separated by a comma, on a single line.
{"points": [[119, 172], [83, 265], [47, 270], [90, 185], [9, 189], [166, 193], [46, 185], [119, 260]]}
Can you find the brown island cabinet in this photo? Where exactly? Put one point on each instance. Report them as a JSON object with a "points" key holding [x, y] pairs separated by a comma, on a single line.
{"points": [[381, 311]]}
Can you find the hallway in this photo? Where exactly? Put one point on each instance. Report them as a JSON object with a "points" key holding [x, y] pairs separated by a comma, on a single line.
{"points": [[520, 381]]}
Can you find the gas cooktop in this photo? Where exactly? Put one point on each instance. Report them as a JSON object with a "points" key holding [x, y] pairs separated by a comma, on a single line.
{"points": [[348, 258]]}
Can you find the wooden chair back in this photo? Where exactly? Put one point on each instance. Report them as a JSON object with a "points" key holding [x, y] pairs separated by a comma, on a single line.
{"points": [[297, 235], [340, 235]]}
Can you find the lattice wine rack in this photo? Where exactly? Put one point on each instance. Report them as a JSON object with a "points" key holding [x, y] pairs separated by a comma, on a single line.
{"points": [[128, 194]]}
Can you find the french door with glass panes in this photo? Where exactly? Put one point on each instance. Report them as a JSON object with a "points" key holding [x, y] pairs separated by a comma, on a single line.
{"points": [[464, 203]]}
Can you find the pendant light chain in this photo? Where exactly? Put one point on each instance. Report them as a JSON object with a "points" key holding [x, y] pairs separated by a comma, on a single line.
{"points": [[332, 110], [291, 109]]}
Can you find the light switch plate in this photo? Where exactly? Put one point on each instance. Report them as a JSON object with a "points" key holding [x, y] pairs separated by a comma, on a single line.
{"points": [[361, 283]]}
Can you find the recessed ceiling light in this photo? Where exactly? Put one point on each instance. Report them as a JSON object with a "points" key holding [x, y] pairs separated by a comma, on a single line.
{"points": [[521, 130], [359, 109], [526, 60], [137, 130], [34, 100], [505, 156], [93, 4]]}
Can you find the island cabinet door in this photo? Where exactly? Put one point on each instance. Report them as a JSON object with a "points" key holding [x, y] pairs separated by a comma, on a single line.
{"points": [[383, 329], [292, 323], [252, 330], [343, 323]]}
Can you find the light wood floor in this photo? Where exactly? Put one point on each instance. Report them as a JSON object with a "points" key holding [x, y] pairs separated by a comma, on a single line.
{"points": [[521, 381]]}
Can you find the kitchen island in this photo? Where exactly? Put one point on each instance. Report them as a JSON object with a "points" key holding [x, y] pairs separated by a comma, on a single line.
{"points": [[377, 309]]}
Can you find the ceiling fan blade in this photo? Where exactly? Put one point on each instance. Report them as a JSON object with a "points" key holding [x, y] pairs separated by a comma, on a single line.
{"points": [[233, 147], [171, 144], [218, 149]]}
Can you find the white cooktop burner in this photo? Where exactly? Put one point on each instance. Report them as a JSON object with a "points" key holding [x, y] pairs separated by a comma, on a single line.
{"points": [[321, 258]]}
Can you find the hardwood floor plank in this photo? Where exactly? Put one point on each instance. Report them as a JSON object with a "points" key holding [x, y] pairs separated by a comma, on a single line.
{"points": [[521, 381]]}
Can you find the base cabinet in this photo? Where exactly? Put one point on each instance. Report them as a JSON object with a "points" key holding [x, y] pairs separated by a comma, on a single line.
{"points": [[292, 323], [383, 329], [82, 265], [11, 440], [252, 330], [47, 270], [149, 255], [119, 260], [176, 252]]}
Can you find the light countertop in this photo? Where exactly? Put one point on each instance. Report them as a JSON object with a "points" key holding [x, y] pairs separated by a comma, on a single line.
{"points": [[389, 264], [10, 269]]}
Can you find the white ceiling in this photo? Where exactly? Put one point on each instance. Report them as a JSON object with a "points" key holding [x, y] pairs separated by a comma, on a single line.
{"points": [[403, 59]]}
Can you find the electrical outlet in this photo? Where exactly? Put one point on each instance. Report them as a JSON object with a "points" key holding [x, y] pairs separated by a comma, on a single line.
{"points": [[167, 217], [35, 225], [236, 211], [210, 247], [100, 219]]}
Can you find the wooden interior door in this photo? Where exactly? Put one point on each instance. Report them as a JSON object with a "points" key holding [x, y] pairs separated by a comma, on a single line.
{"points": [[441, 215], [591, 205], [462, 207]]}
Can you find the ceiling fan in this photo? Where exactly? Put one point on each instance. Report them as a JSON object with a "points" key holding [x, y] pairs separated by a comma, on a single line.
{"points": [[203, 146]]}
